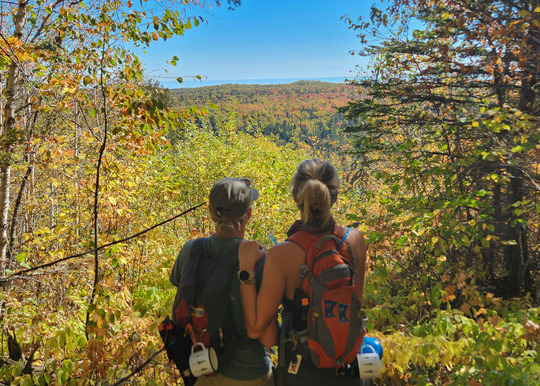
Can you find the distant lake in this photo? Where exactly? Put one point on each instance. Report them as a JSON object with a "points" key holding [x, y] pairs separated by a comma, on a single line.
{"points": [[190, 83]]}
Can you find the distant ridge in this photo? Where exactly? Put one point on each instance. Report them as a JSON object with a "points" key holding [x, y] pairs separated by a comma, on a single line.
{"points": [[206, 83], [302, 112]]}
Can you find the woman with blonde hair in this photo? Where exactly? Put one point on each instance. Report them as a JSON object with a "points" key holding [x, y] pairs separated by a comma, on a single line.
{"points": [[230, 206], [315, 188]]}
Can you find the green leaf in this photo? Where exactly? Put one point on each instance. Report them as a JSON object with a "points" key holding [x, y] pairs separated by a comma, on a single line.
{"points": [[68, 365], [81, 342], [62, 376], [27, 381]]}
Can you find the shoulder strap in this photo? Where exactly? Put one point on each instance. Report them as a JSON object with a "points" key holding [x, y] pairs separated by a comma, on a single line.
{"points": [[303, 239], [337, 231], [279, 376], [198, 247], [191, 265]]}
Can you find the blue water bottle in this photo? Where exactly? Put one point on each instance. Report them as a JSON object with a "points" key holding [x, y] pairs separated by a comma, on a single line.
{"points": [[374, 343]]}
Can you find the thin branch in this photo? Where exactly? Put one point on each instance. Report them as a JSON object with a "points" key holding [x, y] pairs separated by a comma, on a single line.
{"points": [[139, 368], [13, 275], [96, 193]]}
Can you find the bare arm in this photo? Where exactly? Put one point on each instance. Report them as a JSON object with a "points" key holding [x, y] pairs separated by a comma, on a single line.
{"points": [[260, 308], [270, 337], [358, 245]]}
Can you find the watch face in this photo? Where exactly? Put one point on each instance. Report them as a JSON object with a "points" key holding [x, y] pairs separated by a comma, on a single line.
{"points": [[243, 275]]}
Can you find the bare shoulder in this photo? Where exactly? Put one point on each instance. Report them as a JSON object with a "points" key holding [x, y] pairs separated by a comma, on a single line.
{"points": [[355, 236], [356, 240], [284, 251], [286, 257]]}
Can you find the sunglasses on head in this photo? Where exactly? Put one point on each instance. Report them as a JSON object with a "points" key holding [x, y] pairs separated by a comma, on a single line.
{"points": [[247, 181]]}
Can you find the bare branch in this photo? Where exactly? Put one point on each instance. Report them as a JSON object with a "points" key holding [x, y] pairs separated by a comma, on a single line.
{"points": [[19, 273], [139, 368]]}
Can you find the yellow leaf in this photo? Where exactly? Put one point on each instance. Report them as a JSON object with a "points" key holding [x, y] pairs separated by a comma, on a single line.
{"points": [[112, 200]]}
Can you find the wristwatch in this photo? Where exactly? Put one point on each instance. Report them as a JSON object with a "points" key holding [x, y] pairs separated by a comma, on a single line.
{"points": [[246, 277]]}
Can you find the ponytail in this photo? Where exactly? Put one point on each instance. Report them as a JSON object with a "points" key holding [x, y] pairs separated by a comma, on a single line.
{"points": [[314, 202], [315, 186]]}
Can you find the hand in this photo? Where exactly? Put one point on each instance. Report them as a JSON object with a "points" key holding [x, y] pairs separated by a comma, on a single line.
{"points": [[249, 252]]}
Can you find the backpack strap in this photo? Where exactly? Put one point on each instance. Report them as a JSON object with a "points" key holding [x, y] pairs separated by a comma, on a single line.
{"points": [[305, 239], [198, 247], [302, 238], [190, 268], [196, 253], [343, 238], [286, 318]]}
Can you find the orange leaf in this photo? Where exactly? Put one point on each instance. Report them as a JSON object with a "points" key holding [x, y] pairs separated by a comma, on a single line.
{"points": [[481, 311], [450, 289], [476, 302]]}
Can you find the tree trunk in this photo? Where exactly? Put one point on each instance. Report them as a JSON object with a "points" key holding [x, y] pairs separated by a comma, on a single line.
{"points": [[7, 138]]}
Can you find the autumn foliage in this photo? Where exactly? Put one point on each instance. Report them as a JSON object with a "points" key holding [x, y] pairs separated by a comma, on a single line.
{"points": [[104, 175]]}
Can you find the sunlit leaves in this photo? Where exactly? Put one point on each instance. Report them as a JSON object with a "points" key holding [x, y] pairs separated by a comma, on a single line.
{"points": [[454, 170], [81, 89]]}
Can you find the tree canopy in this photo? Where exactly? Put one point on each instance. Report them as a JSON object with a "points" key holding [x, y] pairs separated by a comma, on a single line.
{"points": [[450, 122]]}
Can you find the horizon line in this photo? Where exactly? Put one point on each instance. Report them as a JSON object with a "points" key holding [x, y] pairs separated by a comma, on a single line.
{"points": [[260, 81]]}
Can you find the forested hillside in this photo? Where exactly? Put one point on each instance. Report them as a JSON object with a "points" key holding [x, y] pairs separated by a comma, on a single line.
{"points": [[104, 175], [304, 111]]}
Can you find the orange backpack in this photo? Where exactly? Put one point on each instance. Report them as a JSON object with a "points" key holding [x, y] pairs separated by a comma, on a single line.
{"points": [[335, 323]]}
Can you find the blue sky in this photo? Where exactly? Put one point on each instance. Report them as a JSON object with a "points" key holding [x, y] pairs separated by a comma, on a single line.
{"points": [[280, 39]]}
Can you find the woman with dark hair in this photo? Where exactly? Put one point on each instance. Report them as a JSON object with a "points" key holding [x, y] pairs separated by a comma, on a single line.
{"points": [[315, 188]]}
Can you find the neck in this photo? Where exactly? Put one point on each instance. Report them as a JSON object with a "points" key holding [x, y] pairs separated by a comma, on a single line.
{"points": [[232, 233]]}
